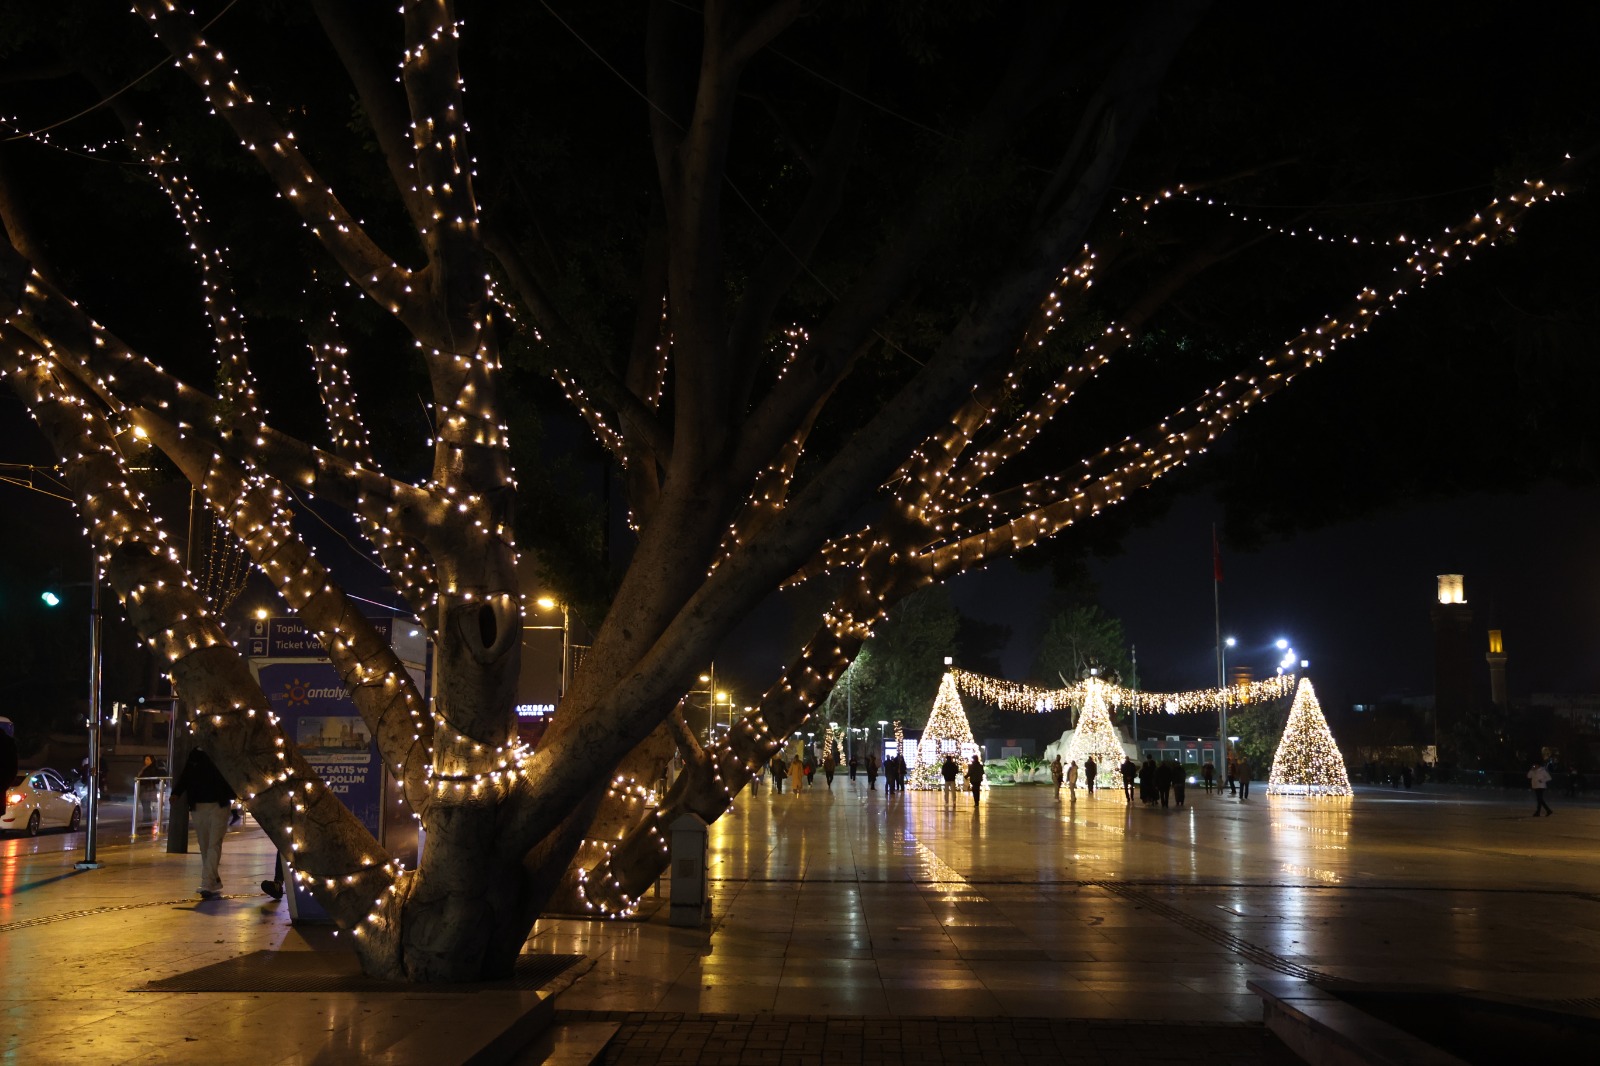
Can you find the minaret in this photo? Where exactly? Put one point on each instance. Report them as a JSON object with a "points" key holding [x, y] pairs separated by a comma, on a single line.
{"points": [[1497, 670], [1452, 655]]}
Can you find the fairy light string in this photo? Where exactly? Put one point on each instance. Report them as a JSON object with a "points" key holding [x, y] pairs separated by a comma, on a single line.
{"points": [[1307, 761], [144, 570], [1033, 699]]}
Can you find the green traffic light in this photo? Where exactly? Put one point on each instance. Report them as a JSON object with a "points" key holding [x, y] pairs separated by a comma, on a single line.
{"points": [[50, 598]]}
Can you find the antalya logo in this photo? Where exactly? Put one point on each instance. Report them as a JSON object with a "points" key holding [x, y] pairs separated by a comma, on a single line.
{"points": [[297, 693]]}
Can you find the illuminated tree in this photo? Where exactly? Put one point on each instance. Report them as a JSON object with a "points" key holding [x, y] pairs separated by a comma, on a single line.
{"points": [[727, 400], [1308, 762], [947, 731], [1097, 737]]}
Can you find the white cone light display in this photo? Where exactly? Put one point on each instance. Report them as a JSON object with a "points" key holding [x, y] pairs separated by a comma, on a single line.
{"points": [[947, 731], [1096, 736], [1308, 762]]}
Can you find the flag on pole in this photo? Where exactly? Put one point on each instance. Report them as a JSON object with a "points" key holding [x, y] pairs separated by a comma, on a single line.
{"points": [[1216, 556]]}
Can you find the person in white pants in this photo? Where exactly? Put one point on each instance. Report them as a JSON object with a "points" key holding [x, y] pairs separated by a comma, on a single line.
{"points": [[210, 798]]}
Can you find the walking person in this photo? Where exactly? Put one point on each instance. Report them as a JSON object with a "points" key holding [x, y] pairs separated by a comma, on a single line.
{"points": [[1055, 773], [797, 775], [779, 769], [1242, 769], [1089, 771], [1166, 773], [975, 780], [1130, 770], [273, 886], [872, 772], [1179, 780], [1539, 778], [210, 801], [1072, 781], [149, 785], [852, 767], [1207, 772], [829, 765], [8, 763], [950, 771], [1149, 774], [1233, 776]]}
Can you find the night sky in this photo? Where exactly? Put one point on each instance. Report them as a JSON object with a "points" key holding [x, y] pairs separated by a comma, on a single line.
{"points": [[1451, 93], [1353, 598]]}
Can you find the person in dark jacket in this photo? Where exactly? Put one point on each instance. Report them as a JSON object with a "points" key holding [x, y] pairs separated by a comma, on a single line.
{"points": [[975, 779], [210, 798], [950, 771], [8, 765]]}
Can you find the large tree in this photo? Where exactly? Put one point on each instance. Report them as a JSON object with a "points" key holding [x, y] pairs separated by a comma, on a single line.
{"points": [[809, 346]]}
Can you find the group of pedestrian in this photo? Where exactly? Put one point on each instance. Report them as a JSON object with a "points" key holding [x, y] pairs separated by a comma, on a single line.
{"points": [[1239, 777], [1165, 783], [894, 773]]}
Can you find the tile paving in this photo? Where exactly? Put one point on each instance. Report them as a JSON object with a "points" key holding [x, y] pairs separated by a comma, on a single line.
{"points": [[851, 927]]}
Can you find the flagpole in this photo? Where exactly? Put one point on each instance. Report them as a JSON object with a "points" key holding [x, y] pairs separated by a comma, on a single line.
{"points": [[1216, 610]]}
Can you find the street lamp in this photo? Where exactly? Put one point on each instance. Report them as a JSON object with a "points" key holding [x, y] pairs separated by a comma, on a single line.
{"points": [[90, 861], [1222, 669], [714, 698], [550, 603]]}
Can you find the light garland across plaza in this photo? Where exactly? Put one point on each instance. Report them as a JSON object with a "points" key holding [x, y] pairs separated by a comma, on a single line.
{"points": [[1034, 699]]}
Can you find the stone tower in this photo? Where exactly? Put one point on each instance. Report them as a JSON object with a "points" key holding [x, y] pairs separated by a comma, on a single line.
{"points": [[1497, 669], [1452, 655]]}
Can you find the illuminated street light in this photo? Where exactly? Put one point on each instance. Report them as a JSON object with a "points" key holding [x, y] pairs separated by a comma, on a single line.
{"points": [[550, 603]]}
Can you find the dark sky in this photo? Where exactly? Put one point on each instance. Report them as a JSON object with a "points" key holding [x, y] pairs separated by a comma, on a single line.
{"points": [[1445, 93], [1353, 598]]}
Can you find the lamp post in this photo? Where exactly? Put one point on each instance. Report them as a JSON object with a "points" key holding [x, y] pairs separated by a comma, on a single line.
{"points": [[714, 698], [1222, 715], [90, 861], [550, 603], [91, 836]]}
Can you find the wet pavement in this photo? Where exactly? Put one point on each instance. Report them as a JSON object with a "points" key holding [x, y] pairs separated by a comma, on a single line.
{"points": [[854, 927], [851, 902]]}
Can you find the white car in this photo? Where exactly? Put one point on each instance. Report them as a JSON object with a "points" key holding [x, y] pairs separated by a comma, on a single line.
{"points": [[40, 800]]}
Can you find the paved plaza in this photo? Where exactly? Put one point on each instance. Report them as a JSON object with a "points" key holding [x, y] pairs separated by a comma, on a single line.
{"points": [[852, 902], [850, 926]]}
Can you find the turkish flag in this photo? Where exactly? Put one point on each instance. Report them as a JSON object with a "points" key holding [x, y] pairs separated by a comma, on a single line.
{"points": [[1216, 556]]}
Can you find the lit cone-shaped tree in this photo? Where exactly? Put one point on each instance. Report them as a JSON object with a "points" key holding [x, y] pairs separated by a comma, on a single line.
{"points": [[947, 722], [1308, 762], [1096, 736]]}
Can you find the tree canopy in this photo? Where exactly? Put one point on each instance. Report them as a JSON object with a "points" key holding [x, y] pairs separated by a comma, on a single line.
{"points": [[807, 288]]}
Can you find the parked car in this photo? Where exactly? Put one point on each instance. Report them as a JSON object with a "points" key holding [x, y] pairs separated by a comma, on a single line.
{"points": [[41, 799]]}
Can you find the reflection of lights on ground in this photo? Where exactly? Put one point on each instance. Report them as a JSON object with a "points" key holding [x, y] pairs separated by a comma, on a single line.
{"points": [[1304, 828], [1081, 856], [1325, 876]]}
